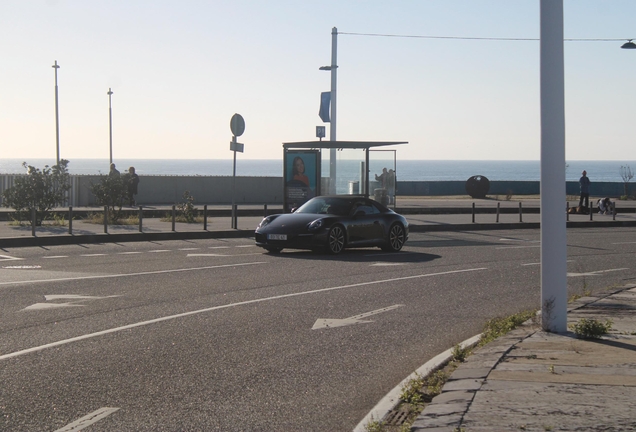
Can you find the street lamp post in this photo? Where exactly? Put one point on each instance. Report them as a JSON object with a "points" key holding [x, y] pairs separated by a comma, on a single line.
{"points": [[110, 123], [332, 129], [57, 117]]}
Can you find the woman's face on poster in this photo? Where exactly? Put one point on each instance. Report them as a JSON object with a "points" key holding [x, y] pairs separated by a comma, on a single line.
{"points": [[300, 166]]}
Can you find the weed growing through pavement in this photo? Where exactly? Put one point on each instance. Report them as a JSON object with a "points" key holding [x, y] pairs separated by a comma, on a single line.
{"points": [[497, 327], [460, 354], [591, 328]]}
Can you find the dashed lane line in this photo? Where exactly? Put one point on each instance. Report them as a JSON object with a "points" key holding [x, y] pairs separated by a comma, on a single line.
{"points": [[386, 282], [108, 276], [88, 420]]}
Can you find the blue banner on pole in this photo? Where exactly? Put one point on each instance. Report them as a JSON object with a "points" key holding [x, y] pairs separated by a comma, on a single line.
{"points": [[325, 100]]}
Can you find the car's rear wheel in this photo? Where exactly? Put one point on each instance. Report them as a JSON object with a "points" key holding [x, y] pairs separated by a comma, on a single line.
{"points": [[336, 240], [273, 250], [397, 237]]}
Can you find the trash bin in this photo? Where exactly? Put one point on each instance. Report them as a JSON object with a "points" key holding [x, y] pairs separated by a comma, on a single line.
{"points": [[354, 187], [381, 196]]}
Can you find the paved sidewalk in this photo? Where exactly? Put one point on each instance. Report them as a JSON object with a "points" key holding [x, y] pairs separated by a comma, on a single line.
{"points": [[424, 214], [530, 380]]}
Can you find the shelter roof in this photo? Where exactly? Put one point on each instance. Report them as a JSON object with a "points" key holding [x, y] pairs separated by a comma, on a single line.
{"points": [[341, 144]]}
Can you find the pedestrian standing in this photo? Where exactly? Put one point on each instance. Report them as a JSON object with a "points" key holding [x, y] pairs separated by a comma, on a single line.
{"points": [[133, 181], [113, 171], [584, 182]]}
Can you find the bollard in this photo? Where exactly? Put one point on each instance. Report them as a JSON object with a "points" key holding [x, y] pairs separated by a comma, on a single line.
{"points": [[205, 217], [265, 211], [141, 217], [613, 211], [520, 213], [33, 221], [70, 220], [473, 212], [498, 205], [174, 217], [235, 216], [591, 212], [567, 211], [105, 219]]}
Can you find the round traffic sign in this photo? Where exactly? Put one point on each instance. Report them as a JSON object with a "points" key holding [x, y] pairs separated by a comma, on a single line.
{"points": [[237, 125]]}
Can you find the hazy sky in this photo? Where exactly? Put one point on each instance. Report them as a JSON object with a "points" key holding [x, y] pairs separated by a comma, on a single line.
{"points": [[180, 69]]}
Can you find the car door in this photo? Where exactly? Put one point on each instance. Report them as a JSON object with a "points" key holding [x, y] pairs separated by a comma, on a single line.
{"points": [[365, 226]]}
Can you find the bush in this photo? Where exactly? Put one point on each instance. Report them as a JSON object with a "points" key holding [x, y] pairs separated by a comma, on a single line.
{"points": [[591, 328], [41, 190], [112, 192]]}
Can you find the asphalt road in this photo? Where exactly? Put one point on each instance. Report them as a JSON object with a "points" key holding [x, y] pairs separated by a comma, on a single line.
{"points": [[216, 335]]}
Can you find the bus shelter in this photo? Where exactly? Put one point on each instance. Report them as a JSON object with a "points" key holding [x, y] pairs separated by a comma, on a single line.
{"points": [[302, 168]]}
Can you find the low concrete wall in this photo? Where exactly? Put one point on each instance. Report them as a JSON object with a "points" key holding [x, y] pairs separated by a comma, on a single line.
{"points": [[443, 188], [168, 190]]}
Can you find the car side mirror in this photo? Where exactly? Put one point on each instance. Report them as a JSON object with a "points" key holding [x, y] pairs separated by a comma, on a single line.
{"points": [[293, 210]]}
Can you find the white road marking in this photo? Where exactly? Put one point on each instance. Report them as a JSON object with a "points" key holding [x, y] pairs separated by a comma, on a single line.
{"points": [[356, 319], [186, 249], [532, 264], [624, 243], [244, 246], [206, 255], [128, 253], [88, 420], [596, 273], [218, 247], [129, 274], [519, 240], [8, 258], [386, 282], [75, 297], [41, 306], [23, 267], [92, 255], [159, 250], [55, 256], [517, 247]]}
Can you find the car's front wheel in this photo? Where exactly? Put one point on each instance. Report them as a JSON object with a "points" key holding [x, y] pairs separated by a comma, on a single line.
{"points": [[396, 238], [336, 240]]}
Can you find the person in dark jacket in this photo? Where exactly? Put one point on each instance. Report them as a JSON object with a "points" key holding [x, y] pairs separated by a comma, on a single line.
{"points": [[133, 181], [584, 182]]}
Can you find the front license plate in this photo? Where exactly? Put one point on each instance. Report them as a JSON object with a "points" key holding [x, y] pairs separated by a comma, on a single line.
{"points": [[276, 236]]}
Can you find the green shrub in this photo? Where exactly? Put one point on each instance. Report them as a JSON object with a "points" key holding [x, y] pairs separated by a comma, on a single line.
{"points": [[41, 190], [591, 328]]}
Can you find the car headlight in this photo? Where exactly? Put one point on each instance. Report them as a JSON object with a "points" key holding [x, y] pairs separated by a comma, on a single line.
{"points": [[266, 221], [315, 225]]}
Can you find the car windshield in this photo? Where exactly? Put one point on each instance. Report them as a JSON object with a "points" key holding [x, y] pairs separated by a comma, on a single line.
{"points": [[321, 205]]}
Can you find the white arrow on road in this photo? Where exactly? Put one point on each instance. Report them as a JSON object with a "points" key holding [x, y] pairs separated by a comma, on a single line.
{"points": [[357, 319], [78, 298]]}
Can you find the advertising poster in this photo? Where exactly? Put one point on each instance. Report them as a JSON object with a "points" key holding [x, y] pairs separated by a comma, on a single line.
{"points": [[302, 177]]}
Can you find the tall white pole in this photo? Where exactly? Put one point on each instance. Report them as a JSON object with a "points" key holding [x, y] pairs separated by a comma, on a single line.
{"points": [[553, 217], [334, 99], [57, 117], [110, 123]]}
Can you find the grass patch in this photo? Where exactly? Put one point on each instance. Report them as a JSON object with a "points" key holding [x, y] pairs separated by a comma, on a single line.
{"points": [[182, 219], [98, 218], [497, 327]]}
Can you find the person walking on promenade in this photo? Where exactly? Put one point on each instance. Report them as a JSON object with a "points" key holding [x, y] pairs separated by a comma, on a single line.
{"points": [[584, 181], [133, 181], [113, 171]]}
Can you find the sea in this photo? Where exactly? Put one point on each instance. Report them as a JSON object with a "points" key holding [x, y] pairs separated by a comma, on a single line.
{"points": [[347, 169]]}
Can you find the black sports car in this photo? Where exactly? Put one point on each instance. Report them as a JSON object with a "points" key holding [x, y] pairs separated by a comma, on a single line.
{"points": [[333, 223]]}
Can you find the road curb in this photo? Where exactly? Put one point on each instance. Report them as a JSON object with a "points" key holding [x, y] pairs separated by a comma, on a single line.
{"points": [[390, 401]]}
